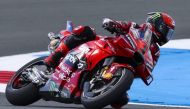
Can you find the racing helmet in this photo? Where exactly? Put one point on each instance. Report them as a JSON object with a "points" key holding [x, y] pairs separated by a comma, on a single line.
{"points": [[163, 26]]}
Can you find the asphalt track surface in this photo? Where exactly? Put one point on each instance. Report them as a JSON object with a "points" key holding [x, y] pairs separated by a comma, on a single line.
{"points": [[54, 105], [24, 25]]}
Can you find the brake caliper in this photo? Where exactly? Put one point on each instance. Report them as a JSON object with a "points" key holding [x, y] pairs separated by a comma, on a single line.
{"points": [[106, 74]]}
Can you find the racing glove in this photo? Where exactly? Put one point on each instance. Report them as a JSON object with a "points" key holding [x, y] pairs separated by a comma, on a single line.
{"points": [[54, 41], [112, 26], [109, 25]]}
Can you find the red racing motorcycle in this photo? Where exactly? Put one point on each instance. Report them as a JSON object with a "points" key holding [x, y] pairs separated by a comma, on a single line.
{"points": [[94, 74]]}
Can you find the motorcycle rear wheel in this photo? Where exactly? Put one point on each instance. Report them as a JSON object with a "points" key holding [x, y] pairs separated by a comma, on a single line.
{"points": [[111, 94], [22, 94]]}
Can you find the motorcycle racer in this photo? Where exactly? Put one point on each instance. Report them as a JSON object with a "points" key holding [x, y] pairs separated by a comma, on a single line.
{"points": [[157, 31]]}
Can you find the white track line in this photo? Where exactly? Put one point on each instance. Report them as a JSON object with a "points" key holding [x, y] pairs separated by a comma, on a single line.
{"points": [[159, 105], [2, 87], [178, 44], [14, 62]]}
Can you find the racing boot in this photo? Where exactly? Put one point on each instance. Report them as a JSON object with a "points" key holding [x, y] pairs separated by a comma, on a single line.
{"points": [[53, 60]]}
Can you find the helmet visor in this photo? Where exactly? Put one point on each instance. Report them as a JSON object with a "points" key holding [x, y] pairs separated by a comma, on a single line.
{"points": [[170, 34]]}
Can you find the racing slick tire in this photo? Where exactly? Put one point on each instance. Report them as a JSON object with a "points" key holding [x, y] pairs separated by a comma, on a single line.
{"points": [[109, 96], [25, 94]]}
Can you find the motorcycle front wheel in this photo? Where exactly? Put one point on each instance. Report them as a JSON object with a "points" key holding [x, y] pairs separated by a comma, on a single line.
{"points": [[19, 90], [99, 93]]}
